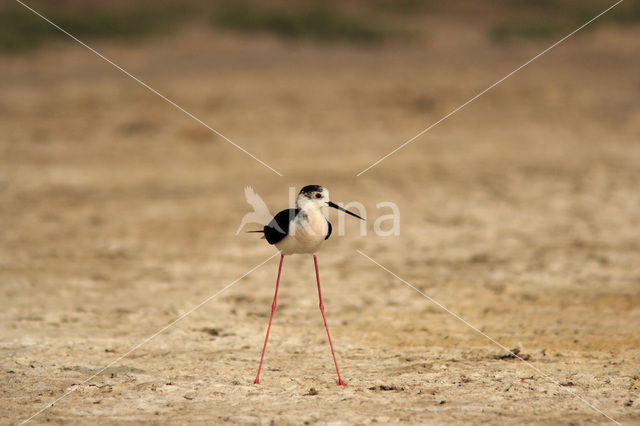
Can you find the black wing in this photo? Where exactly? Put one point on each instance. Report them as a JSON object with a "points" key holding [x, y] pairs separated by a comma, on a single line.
{"points": [[278, 228], [328, 232]]}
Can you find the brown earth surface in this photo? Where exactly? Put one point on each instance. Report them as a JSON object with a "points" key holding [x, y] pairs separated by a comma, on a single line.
{"points": [[519, 214]]}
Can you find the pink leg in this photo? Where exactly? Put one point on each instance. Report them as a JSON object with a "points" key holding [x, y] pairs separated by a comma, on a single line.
{"points": [[273, 309], [340, 382]]}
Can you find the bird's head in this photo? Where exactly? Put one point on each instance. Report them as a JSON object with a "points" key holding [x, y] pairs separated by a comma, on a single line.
{"points": [[316, 196], [312, 196]]}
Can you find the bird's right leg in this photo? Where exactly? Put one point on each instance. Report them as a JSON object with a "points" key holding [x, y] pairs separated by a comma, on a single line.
{"points": [[315, 262], [273, 309]]}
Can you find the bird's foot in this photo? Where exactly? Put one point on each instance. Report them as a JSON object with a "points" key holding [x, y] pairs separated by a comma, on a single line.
{"points": [[341, 383]]}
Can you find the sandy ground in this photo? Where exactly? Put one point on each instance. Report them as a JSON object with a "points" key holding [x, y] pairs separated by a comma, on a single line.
{"points": [[520, 214]]}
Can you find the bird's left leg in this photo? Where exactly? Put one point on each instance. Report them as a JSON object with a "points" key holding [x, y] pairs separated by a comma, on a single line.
{"points": [[315, 261], [273, 309]]}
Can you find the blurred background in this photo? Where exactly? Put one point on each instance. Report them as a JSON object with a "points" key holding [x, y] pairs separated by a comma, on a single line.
{"points": [[118, 212], [364, 22]]}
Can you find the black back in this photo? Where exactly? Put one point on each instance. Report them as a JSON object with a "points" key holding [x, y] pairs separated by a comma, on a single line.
{"points": [[278, 228]]}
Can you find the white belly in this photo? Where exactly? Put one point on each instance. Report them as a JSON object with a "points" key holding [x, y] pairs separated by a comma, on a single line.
{"points": [[306, 234]]}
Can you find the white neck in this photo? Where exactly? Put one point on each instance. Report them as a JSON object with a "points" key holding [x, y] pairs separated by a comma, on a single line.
{"points": [[307, 204]]}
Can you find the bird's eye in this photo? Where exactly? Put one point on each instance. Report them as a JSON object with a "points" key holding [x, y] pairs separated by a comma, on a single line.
{"points": [[318, 195]]}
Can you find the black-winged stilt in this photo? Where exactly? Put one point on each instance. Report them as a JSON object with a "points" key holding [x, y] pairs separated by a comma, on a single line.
{"points": [[301, 231]]}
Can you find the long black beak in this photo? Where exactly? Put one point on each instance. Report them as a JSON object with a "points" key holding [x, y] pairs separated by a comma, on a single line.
{"points": [[335, 206]]}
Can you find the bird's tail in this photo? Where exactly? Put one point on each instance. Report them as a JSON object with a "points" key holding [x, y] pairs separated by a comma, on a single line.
{"points": [[260, 232]]}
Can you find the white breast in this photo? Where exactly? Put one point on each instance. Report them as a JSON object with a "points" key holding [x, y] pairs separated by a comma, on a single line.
{"points": [[306, 233]]}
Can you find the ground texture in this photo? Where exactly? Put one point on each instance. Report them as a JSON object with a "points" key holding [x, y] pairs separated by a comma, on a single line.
{"points": [[520, 214]]}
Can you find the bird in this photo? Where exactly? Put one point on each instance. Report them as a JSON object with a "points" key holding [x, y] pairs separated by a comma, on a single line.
{"points": [[301, 230]]}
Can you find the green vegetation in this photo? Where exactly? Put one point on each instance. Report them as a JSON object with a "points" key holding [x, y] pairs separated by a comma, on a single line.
{"points": [[317, 23], [505, 31], [551, 18], [363, 22], [404, 6], [21, 30], [627, 13]]}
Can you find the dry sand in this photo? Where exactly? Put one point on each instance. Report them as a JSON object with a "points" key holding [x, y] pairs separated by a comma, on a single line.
{"points": [[519, 213]]}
